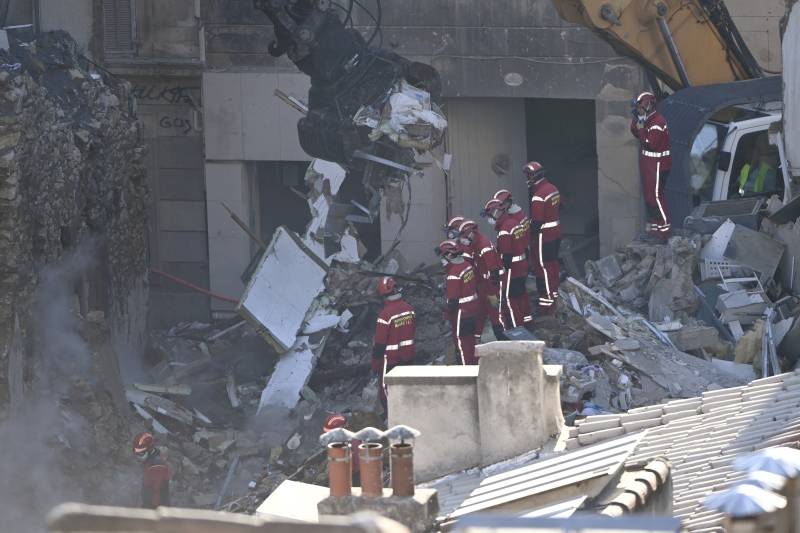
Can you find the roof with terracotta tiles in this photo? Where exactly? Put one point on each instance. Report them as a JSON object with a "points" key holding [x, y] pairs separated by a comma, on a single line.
{"points": [[702, 436]]}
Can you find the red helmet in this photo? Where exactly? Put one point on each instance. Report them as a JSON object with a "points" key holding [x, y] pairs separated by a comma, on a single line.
{"points": [[467, 227], [494, 208], [448, 248], [534, 171], [647, 100], [334, 421], [504, 195], [386, 286], [143, 443], [451, 229]]}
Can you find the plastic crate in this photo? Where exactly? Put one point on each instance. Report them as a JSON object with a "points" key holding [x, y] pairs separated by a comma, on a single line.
{"points": [[711, 268]]}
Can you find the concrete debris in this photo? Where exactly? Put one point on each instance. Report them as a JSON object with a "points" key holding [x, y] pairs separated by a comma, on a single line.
{"points": [[648, 269], [692, 338]]}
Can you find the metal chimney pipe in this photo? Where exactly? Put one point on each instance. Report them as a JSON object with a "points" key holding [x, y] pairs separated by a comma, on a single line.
{"points": [[402, 466], [340, 474], [370, 456]]}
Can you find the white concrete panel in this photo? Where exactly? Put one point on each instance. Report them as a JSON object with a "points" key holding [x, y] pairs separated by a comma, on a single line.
{"points": [[73, 16], [228, 245], [269, 125], [222, 106], [791, 87], [283, 287]]}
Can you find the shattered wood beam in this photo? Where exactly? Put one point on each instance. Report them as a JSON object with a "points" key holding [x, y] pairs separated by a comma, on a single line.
{"points": [[245, 227], [178, 390], [596, 296], [160, 405]]}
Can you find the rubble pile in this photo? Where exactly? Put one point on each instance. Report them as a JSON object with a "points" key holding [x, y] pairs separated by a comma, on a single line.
{"points": [[73, 271], [650, 277], [70, 168]]}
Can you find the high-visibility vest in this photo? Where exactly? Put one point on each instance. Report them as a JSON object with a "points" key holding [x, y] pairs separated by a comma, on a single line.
{"points": [[744, 175]]}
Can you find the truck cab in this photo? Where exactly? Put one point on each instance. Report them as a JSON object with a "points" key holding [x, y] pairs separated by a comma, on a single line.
{"points": [[738, 153]]}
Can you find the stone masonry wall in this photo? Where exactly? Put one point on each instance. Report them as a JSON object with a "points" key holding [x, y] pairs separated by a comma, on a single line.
{"points": [[70, 171]]}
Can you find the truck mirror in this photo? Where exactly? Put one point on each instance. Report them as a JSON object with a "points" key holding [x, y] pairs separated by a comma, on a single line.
{"points": [[724, 161]]}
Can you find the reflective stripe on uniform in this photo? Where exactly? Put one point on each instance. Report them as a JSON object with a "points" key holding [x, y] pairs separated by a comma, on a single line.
{"points": [[458, 337], [484, 251], [655, 154], [658, 200], [381, 321], [551, 225], [555, 193], [399, 345], [517, 258], [468, 299]]}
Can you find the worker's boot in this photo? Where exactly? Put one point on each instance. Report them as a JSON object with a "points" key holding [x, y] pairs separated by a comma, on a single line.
{"points": [[499, 333]]}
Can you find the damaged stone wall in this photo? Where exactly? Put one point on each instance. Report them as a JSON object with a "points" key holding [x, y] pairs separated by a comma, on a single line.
{"points": [[70, 171]]}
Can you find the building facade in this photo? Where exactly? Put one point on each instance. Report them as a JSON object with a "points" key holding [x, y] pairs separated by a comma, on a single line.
{"points": [[519, 84]]}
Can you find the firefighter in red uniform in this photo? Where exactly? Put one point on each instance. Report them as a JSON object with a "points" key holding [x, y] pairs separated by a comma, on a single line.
{"points": [[513, 236], [655, 162], [394, 333], [488, 267], [156, 476], [452, 232], [462, 299], [545, 235]]}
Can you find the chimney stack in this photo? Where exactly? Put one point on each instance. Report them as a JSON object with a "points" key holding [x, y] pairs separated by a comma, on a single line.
{"points": [[370, 455], [402, 467], [340, 471]]}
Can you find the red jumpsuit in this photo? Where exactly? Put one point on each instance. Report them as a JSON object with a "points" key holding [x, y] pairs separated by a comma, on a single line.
{"points": [[489, 269], [155, 482], [513, 235], [655, 163], [545, 241], [462, 304], [394, 338]]}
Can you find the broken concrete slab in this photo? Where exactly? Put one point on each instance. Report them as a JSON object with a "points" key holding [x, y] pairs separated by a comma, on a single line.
{"points": [[692, 338], [627, 345], [740, 370], [755, 250], [609, 270], [278, 297]]}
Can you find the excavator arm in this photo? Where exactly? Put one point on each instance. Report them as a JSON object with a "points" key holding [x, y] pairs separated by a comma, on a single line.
{"points": [[682, 42]]}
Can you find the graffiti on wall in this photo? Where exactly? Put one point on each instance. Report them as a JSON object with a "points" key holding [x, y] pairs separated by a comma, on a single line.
{"points": [[167, 94]]}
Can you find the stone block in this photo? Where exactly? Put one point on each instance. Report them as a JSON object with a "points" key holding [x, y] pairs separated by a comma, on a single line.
{"points": [[694, 338], [418, 513], [510, 384], [609, 270], [442, 403]]}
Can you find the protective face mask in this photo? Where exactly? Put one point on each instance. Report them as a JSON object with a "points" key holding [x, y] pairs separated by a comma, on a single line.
{"points": [[642, 117], [491, 221], [465, 241], [443, 261]]}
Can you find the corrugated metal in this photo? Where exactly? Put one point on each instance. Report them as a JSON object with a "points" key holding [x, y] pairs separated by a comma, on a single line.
{"points": [[479, 130], [791, 87], [475, 491]]}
